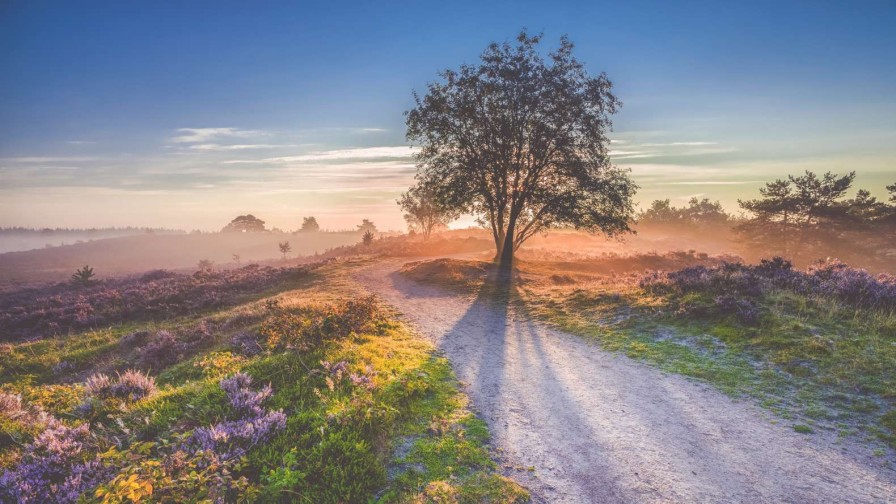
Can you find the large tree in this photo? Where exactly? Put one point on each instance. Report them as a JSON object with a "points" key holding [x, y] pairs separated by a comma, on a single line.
{"points": [[520, 141]]}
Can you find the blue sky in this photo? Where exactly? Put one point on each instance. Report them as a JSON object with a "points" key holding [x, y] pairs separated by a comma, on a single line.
{"points": [[184, 114]]}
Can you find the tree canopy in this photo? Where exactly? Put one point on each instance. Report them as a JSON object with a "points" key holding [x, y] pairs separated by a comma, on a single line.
{"points": [[367, 225], [810, 216], [309, 224], [423, 211], [698, 213], [521, 142], [245, 224]]}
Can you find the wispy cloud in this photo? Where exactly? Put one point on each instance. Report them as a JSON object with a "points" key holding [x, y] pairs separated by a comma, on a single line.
{"points": [[233, 147], [45, 159], [401, 152], [631, 150], [678, 144], [716, 182], [205, 135], [80, 142]]}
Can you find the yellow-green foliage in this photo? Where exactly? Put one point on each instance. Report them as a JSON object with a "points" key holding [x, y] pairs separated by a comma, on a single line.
{"points": [[353, 384], [218, 364]]}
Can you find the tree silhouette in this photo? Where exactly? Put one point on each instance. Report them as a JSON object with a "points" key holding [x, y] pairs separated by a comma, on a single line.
{"points": [[367, 238], [285, 248], [521, 143], [244, 224], [423, 212], [309, 224], [83, 277], [366, 225]]}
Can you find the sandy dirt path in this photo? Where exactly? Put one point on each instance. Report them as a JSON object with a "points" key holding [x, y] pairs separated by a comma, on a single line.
{"points": [[578, 424]]}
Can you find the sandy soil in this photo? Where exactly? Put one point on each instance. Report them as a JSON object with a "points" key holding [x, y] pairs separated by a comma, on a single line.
{"points": [[577, 424]]}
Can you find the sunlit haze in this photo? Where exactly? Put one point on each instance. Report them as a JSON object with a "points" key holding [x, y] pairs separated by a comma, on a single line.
{"points": [[163, 114]]}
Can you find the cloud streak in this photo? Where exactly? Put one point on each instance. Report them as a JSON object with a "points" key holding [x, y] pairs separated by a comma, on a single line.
{"points": [[205, 135], [400, 152]]}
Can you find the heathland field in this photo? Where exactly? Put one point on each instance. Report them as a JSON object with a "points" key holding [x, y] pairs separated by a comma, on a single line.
{"points": [[386, 373]]}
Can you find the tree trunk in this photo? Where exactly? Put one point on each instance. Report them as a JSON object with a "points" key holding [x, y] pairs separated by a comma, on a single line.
{"points": [[499, 245], [505, 260]]}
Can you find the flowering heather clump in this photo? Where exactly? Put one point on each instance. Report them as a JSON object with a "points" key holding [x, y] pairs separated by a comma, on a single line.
{"points": [[131, 386], [857, 287], [60, 308], [11, 406], [98, 385], [252, 425], [33, 416], [737, 285], [56, 467], [133, 339], [246, 344], [744, 310], [161, 351], [63, 367], [335, 373]]}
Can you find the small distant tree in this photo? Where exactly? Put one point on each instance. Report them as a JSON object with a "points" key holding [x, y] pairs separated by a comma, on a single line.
{"points": [[285, 248], [205, 265], [245, 224], [83, 277], [236, 258], [423, 212], [309, 225], [367, 239], [367, 225]]}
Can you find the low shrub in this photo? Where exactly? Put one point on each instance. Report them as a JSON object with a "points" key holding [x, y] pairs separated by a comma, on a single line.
{"points": [[246, 344], [308, 328], [161, 351], [737, 286], [60, 308], [251, 424], [57, 467]]}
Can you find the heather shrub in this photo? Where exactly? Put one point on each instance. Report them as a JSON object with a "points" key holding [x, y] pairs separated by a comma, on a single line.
{"points": [[250, 425], [743, 309], [737, 288], [159, 274], [130, 386], [57, 467], [162, 351], [133, 385], [246, 344], [134, 339], [60, 308], [19, 420]]}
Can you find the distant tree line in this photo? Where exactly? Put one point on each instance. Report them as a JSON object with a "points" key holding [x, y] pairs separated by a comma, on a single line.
{"points": [[698, 212], [93, 230], [810, 216], [251, 224], [804, 217]]}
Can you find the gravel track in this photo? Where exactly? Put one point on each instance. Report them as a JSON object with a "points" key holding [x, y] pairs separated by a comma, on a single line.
{"points": [[577, 424]]}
